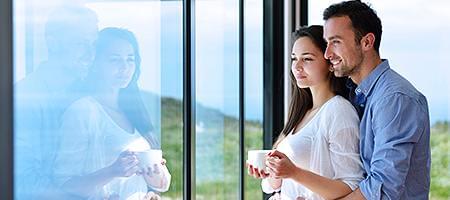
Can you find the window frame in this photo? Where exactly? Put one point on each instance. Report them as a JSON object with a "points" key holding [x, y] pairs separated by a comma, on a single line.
{"points": [[6, 105], [273, 88]]}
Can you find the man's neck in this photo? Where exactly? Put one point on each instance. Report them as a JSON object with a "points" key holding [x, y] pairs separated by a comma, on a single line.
{"points": [[370, 62], [56, 76]]}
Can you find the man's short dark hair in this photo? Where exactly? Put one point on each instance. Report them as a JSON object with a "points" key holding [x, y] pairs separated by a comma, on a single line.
{"points": [[364, 19]]}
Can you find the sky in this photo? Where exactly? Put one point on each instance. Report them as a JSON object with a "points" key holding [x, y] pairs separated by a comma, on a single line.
{"points": [[415, 40]]}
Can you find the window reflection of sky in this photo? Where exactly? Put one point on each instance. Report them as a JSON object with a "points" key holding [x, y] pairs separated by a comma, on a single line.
{"points": [[157, 61]]}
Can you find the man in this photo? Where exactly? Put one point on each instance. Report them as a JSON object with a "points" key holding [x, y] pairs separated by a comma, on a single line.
{"points": [[41, 97], [395, 127]]}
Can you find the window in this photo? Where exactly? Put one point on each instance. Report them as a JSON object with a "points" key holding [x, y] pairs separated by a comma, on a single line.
{"points": [[253, 43], [92, 81], [217, 81], [99, 84]]}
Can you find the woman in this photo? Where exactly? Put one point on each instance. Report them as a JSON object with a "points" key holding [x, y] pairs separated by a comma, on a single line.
{"points": [[96, 159], [316, 155]]}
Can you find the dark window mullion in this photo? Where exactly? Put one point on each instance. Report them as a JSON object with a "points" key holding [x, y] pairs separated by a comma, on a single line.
{"points": [[189, 99], [241, 101], [273, 74], [273, 71], [6, 96], [303, 7]]}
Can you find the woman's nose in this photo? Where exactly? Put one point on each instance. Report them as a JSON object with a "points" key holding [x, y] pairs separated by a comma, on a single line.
{"points": [[124, 64], [297, 66]]}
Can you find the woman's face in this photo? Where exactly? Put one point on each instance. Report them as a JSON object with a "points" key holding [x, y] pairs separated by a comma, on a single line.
{"points": [[116, 65], [309, 67]]}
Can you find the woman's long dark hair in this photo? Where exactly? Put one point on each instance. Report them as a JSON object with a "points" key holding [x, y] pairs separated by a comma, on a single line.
{"points": [[130, 101], [301, 100]]}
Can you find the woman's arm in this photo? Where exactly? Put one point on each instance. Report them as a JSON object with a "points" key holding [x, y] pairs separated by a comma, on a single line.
{"points": [[325, 187], [281, 167], [124, 166], [74, 170]]}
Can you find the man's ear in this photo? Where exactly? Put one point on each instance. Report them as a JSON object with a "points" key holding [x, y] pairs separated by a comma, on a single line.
{"points": [[368, 41]]}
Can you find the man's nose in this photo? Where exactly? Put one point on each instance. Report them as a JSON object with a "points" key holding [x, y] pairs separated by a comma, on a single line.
{"points": [[328, 52], [89, 53]]}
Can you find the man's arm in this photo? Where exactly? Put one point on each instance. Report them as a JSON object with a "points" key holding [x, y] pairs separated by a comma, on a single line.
{"points": [[27, 141], [397, 124]]}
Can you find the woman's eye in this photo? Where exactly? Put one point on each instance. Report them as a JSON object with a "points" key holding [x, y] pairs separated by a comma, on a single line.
{"points": [[130, 60], [307, 59]]}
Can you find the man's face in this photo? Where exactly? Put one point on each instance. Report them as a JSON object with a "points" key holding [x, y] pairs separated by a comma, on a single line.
{"points": [[78, 49], [343, 51]]}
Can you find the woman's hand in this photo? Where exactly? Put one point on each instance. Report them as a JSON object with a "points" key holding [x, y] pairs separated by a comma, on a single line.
{"points": [[255, 172], [125, 165], [152, 196], [154, 175], [280, 166]]}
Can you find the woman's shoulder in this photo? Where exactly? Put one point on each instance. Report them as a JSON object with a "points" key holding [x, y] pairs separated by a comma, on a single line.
{"points": [[84, 102], [339, 104], [340, 116], [86, 105], [340, 109]]}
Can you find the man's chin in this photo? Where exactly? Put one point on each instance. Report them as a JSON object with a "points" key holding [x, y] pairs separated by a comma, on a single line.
{"points": [[82, 73], [339, 73]]}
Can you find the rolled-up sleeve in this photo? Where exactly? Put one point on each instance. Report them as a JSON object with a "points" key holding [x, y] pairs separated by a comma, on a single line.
{"points": [[395, 131], [345, 158]]}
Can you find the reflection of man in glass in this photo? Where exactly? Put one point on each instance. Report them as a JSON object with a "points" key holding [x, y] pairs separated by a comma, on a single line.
{"points": [[42, 96]]}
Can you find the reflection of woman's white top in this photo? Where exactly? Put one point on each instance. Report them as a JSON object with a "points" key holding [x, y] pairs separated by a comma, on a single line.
{"points": [[91, 140], [327, 145]]}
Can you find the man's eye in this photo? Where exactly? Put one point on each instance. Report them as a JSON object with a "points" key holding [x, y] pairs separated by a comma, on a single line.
{"points": [[115, 60], [293, 58]]}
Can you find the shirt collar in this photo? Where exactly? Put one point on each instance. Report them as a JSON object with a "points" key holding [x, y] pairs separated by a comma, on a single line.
{"points": [[366, 85]]}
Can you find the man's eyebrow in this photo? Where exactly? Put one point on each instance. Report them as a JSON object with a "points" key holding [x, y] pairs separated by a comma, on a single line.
{"points": [[333, 37]]}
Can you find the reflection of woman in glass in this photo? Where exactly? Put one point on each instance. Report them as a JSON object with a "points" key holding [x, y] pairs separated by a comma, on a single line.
{"points": [[317, 152], [102, 131]]}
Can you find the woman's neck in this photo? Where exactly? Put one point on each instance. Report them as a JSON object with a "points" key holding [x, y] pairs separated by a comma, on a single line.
{"points": [[320, 95], [108, 97]]}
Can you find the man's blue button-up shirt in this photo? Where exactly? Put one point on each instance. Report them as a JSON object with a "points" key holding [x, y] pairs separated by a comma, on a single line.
{"points": [[395, 136]]}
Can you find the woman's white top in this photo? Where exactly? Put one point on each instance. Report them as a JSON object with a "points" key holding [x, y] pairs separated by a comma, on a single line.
{"points": [[91, 140], [327, 145]]}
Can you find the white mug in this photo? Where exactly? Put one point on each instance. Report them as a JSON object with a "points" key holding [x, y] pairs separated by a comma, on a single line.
{"points": [[257, 158], [149, 157]]}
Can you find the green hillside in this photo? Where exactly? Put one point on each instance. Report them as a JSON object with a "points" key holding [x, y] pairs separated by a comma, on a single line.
{"points": [[226, 187]]}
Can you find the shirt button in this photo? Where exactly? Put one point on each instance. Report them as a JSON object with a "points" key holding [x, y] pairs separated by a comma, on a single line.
{"points": [[358, 90], [361, 105]]}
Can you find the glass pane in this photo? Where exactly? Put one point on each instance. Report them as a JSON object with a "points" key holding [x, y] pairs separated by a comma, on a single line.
{"points": [[97, 94], [253, 30], [217, 86], [417, 46]]}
